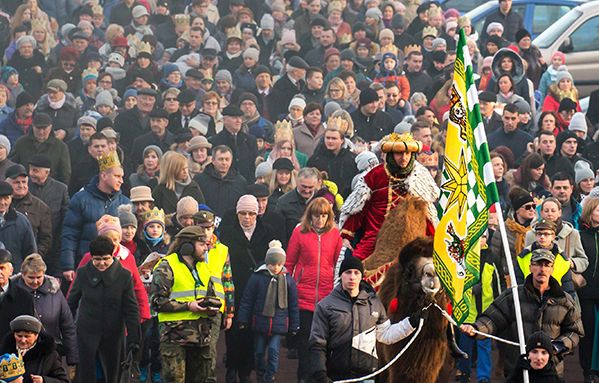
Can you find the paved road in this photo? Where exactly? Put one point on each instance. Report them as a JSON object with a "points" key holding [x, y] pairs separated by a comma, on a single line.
{"points": [[288, 367]]}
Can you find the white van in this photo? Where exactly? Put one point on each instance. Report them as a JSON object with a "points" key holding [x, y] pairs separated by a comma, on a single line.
{"points": [[576, 34]]}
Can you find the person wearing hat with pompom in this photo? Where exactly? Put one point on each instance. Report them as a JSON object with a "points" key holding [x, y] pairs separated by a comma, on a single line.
{"points": [[269, 306], [537, 361]]}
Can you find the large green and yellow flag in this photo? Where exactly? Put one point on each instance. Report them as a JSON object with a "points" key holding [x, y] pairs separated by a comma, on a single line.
{"points": [[467, 190]]}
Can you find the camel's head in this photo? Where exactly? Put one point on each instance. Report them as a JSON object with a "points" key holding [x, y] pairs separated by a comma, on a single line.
{"points": [[417, 270]]}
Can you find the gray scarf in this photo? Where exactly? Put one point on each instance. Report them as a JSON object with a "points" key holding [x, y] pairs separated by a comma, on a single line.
{"points": [[276, 295]]}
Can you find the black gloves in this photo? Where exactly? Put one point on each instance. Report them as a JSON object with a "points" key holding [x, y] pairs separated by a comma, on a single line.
{"points": [[415, 317]]}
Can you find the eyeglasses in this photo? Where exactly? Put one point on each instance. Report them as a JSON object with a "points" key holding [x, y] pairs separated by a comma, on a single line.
{"points": [[211, 103], [530, 206], [335, 90], [68, 65], [105, 82], [171, 99]]}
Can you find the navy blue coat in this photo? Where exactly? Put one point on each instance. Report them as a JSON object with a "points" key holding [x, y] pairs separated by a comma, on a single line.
{"points": [[252, 305], [79, 225], [17, 236], [11, 129]]}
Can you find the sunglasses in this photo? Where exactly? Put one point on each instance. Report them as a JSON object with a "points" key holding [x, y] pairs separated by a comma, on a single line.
{"points": [[171, 99], [530, 206]]}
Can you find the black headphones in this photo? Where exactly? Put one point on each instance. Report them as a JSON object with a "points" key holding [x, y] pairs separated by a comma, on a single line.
{"points": [[187, 249]]}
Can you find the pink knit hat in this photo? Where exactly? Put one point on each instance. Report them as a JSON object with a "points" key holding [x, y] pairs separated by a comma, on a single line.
{"points": [[107, 223], [560, 54], [247, 203]]}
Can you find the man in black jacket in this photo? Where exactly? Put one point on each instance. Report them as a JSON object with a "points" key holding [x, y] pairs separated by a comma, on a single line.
{"points": [[14, 301], [491, 119], [221, 183], [511, 21], [419, 80], [136, 121], [179, 121], [287, 86], [158, 136], [370, 123], [243, 145], [292, 204]]}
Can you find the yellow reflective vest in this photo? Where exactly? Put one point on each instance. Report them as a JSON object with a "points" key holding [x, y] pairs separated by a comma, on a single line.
{"points": [[560, 266], [186, 288]]}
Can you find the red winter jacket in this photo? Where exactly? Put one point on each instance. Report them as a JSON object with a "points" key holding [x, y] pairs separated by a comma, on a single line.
{"points": [[311, 259], [128, 262]]}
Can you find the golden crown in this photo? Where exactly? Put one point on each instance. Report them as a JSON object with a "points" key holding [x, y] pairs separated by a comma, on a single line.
{"points": [[411, 48], [109, 161], [144, 47], [335, 6], [396, 143], [337, 123], [154, 215], [37, 24], [428, 31], [97, 10], [11, 366], [283, 131], [233, 32], [181, 20]]}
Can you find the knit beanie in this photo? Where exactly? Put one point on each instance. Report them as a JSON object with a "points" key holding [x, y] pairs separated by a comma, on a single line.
{"points": [[126, 216], [539, 339], [579, 123], [169, 68], [375, 13], [560, 54], [154, 148], [402, 127], [24, 98], [365, 159], [104, 98], [330, 108], [521, 200], [107, 223], [267, 22], [386, 33], [252, 53], [275, 255], [350, 263], [563, 137], [297, 100], [367, 96], [187, 206], [223, 74], [264, 169], [439, 41], [583, 170], [5, 142], [247, 203], [562, 74], [522, 33]]}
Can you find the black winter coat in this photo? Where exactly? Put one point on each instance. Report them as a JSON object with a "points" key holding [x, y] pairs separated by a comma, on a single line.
{"points": [[166, 199], [130, 125], [17, 236], [40, 218], [245, 151], [13, 303], [141, 142], [42, 359], [291, 206], [371, 128], [282, 92], [341, 168], [545, 375], [30, 79], [221, 193], [52, 309], [64, 118], [245, 255]]}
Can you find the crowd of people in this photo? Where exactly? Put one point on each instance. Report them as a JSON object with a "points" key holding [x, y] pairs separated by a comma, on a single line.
{"points": [[172, 170]]}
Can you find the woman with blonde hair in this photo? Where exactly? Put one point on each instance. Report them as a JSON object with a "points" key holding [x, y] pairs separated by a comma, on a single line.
{"points": [[175, 183], [337, 91], [112, 32], [312, 254], [210, 105], [284, 147], [45, 40], [282, 180]]}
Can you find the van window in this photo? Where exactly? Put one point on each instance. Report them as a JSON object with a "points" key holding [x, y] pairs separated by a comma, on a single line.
{"points": [[586, 37], [545, 15], [556, 30]]}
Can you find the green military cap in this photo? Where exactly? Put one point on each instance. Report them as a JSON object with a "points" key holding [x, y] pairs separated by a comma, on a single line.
{"points": [[544, 224], [203, 218], [193, 232], [542, 255]]}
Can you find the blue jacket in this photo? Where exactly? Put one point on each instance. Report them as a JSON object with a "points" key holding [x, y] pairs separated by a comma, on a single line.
{"points": [[252, 305], [11, 129], [79, 225], [17, 236]]}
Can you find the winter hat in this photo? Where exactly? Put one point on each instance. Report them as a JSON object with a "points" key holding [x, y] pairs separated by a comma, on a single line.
{"points": [[367, 96], [116, 58], [187, 206], [87, 120], [386, 33], [297, 100], [24, 98], [131, 92], [107, 223], [439, 41], [520, 200], [7, 71], [252, 53], [566, 104], [267, 22], [330, 108], [522, 33], [247, 202], [539, 339], [141, 194], [275, 255], [350, 263], [403, 127], [283, 163], [493, 26], [198, 142], [264, 169], [331, 52], [126, 216], [487, 62], [451, 25], [563, 137], [560, 54], [169, 68], [5, 143], [155, 149], [104, 98], [389, 55], [366, 159], [223, 74], [26, 323], [139, 11], [288, 37], [348, 54], [579, 123], [562, 74], [375, 13], [583, 170]]}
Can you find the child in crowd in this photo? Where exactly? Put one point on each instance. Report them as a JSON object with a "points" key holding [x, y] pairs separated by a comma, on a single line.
{"points": [[537, 361], [153, 234], [558, 59], [128, 230], [391, 71], [269, 303]]}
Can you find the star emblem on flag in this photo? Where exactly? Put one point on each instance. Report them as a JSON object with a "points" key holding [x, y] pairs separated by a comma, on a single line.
{"points": [[457, 184]]}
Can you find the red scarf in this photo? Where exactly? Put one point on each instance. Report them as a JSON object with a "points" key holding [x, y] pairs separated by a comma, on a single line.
{"points": [[25, 124]]}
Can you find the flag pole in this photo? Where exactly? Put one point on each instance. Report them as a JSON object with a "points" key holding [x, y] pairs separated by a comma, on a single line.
{"points": [[513, 284]]}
